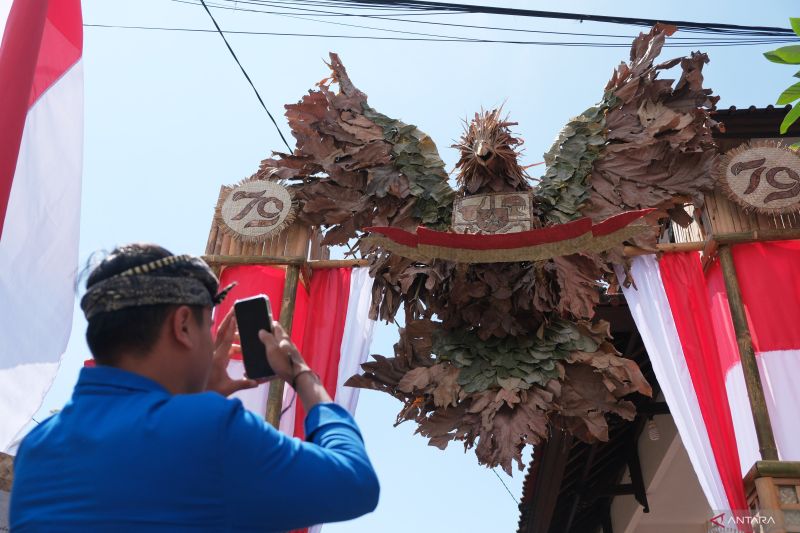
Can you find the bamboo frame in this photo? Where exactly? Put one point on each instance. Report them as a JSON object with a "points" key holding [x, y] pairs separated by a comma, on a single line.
{"points": [[228, 260], [752, 377], [276, 386]]}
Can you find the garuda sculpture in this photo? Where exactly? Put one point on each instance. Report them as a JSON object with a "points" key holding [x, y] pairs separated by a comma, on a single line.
{"points": [[497, 354]]}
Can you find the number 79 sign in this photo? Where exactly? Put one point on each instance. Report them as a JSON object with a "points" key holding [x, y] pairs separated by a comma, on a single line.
{"points": [[762, 176], [254, 210]]}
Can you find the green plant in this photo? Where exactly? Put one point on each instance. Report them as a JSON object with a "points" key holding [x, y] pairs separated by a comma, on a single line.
{"points": [[789, 55]]}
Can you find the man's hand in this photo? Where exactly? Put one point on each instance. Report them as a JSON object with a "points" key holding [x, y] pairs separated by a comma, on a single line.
{"points": [[282, 355], [219, 380]]}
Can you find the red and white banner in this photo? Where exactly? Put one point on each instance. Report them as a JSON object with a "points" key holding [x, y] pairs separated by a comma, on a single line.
{"points": [[769, 279], [41, 159], [685, 323], [671, 312], [331, 328]]}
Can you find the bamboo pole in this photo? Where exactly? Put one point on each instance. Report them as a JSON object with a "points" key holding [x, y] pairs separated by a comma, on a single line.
{"points": [[276, 386], [752, 378], [274, 260]]}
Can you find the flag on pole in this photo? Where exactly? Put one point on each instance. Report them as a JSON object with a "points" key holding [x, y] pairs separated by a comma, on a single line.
{"points": [[41, 152], [685, 322], [331, 328], [769, 279]]}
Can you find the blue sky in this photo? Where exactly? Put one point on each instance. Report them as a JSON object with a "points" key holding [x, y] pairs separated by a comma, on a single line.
{"points": [[169, 118]]}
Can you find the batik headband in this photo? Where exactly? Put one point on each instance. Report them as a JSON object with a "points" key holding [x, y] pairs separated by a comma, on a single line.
{"points": [[191, 283]]}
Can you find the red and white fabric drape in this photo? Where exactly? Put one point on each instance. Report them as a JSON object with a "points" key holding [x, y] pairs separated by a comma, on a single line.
{"points": [[41, 161], [683, 317], [769, 278], [331, 327]]}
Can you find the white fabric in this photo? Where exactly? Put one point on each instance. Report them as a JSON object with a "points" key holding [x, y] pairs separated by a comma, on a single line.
{"points": [[357, 337], [779, 375], [651, 311], [39, 251], [5, 8]]}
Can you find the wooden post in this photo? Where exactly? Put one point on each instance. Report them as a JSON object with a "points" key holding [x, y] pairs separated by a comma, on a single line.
{"points": [[752, 378], [275, 398]]}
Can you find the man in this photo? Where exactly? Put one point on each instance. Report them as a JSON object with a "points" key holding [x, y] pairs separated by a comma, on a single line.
{"points": [[149, 442]]}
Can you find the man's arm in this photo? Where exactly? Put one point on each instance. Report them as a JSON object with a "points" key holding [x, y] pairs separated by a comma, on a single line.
{"points": [[274, 482]]}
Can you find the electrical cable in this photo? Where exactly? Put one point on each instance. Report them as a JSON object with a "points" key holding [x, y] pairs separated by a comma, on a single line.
{"points": [[222, 34], [436, 23], [506, 486], [423, 39], [469, 8], [733, 37]]}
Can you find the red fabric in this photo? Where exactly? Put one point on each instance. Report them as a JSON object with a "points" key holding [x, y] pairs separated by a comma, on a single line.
{"points": [[769, 278], [685, 286], [42, 40], [322, 343], [252, 280], [503, 241], [721, 318], [617, 222]]}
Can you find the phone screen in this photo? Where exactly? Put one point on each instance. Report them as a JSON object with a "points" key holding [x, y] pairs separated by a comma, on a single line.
{"points": [[254, 314]]}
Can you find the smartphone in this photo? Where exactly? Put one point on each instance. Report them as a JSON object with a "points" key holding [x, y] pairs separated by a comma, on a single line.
{"points": [[254, 314]]}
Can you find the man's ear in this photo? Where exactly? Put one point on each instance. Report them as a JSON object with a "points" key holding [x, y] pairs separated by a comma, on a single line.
{"points": [[182, 325]]}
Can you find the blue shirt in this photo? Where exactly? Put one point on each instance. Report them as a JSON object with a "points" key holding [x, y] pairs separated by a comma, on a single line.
{"points": [[125, 455]]}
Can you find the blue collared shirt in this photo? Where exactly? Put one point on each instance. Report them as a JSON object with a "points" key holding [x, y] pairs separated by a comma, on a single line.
{"points": [[125, 455]]}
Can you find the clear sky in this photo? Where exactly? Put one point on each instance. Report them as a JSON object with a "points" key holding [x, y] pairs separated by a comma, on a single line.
{"points": [[169, 118]]}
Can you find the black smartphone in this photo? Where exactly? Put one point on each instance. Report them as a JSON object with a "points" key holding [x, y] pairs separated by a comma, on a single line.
{"points": [[254, 314]]}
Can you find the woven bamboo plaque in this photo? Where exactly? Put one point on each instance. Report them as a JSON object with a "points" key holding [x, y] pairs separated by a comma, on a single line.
{"points": [[761, 176], [493, 213], [254, 210]]}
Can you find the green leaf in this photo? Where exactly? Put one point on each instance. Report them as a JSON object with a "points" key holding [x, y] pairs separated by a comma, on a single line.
{"points": [[797, 74], [772, 56], [795, 146], [787, 55], [789, 95], [795, 22], [790, 118]]}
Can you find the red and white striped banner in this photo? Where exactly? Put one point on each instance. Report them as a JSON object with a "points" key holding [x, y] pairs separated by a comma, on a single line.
{"points": [[331, 328], [685, 323], [41, 159], [769, 278]]}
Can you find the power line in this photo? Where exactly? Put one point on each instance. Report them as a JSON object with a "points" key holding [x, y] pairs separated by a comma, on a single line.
{"points": [[319, 13], [424, 39], [468, 8], [219, 30], [303, 17], [506, 486]]}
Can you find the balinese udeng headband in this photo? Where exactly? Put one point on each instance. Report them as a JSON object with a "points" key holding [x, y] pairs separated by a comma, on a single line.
{"points": [[189, 282]]}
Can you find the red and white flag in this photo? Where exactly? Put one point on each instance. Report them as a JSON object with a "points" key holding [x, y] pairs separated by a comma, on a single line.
{"points": [[331, 328], [769, 279], [685, 323], [41, 158]]}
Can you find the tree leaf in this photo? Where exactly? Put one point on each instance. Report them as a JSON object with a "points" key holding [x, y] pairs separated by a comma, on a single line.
{"points": [[790, 119], [795, 22], [775, 58], [787, 55], [789, 95]]}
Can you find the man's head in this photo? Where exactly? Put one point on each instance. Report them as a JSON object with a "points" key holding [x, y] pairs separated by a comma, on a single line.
{"points": [[150, 312]]}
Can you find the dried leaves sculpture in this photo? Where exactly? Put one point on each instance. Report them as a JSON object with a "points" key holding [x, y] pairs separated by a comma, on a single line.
{"points": [[494, 355]]}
